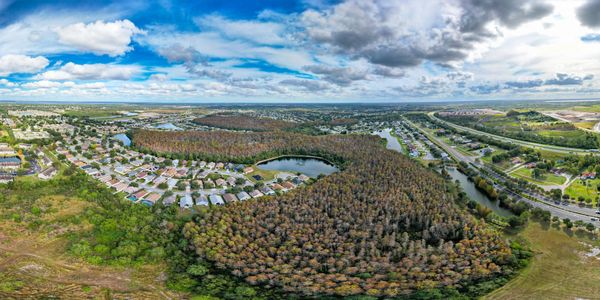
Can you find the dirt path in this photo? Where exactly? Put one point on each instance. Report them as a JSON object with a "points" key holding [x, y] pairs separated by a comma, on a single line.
{"points": [[38, 270]]}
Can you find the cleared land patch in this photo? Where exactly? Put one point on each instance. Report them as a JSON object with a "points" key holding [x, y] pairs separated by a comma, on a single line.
{"points": [[560, 268]]}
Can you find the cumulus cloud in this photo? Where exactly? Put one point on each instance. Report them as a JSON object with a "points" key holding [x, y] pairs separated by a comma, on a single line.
{"points": [[337, 75], [177, 53], [6, 83], [45, 84], [485, 89], [15, 63], [267, 33], [589, 13], [387, 72], [566, 79], [524, 84], [72, 71], [110, 38], [391, 34], [560, 79], [306, 84]]}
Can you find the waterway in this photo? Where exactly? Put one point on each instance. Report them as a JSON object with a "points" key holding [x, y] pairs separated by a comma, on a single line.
{"points": [[310, 167], [392, 141], [467, 186], [477, 196]]}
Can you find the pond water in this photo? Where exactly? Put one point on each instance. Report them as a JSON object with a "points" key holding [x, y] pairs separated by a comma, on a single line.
{"points": [[310, 167], [168, 126], [123, 138], [477, 196], [392, 141]]}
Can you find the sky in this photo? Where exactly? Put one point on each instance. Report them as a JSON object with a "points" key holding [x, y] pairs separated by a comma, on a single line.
{"points": [[299, 51]]}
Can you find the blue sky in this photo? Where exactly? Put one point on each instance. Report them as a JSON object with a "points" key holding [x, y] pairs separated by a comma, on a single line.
{"points": [[299, 51]]}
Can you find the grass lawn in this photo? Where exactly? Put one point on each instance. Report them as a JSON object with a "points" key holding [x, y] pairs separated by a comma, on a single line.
{"points": [[567, 134], [551, 154], [548, 178], [265, 174], [587, 190], [585, 125], [559, 270]]}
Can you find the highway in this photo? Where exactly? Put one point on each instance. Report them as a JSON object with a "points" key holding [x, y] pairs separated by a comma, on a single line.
{"points": [[552, 148], [574, 213]]}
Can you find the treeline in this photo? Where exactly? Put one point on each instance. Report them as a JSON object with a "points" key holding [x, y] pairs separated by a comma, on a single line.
{"points": [[383, 227], [243, 122]]}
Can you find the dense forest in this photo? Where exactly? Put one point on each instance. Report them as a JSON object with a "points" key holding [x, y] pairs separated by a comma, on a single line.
{"points": [[384, 226], [243, 122]]}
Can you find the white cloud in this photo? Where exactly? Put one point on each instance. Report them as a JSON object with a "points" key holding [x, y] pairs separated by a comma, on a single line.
{"points": [[269, 33], [71, 71], [16, 63], [111, 38], [43, 84], [35, 33], [6, 83]]}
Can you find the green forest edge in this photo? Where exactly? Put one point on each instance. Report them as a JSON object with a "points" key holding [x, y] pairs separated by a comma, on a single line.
{"points": [[131, 235]]}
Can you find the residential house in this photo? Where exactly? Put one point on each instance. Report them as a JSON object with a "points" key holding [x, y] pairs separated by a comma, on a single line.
{"points": [[201, 200], [186, 201], [10, 163], [216, 199], [48, 173], [220, 182], [170, 200], [243, 196], [288, 185], [267, 190], [229, 198], [256, 194]]}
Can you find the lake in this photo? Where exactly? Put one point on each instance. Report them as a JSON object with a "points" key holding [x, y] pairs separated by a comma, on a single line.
{"points": [[310, 167], [123, 138]]}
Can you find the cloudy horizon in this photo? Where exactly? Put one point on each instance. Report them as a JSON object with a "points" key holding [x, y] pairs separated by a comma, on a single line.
{"points": [[303, 51]]}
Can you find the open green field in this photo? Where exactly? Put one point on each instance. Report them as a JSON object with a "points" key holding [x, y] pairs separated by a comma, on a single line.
{"points": [[587, 108], [586, 189], [560, 268], [547, 179], [567, 134], [585, 125]]}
